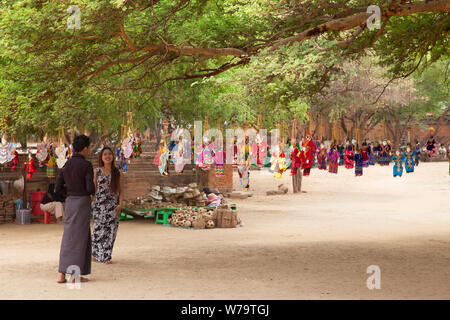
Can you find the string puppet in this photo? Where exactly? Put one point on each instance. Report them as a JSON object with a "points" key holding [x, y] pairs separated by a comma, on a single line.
{"points": [[398, 159], [30, 166], [409, 156], [322, 157], [333, 156]]}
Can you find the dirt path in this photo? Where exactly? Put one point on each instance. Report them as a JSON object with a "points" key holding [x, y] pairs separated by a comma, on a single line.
{"points": [[316, 245]]}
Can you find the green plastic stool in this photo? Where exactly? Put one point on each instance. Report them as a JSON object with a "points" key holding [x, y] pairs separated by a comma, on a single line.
{"points": [[162, 217]]}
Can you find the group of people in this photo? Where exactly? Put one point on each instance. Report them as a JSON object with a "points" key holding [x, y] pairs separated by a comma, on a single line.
{"points": [[81, 184]]}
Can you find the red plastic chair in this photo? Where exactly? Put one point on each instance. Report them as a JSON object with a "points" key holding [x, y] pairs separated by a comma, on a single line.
{"points": [[36, 198]]}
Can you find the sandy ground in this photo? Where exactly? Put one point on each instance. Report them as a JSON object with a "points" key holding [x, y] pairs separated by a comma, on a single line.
{"points": [[315, 245]]}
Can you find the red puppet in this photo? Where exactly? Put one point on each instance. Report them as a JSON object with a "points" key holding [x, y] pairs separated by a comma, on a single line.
{"points": [[296, 161], [307, 154], [30, 167], [15, 160]]}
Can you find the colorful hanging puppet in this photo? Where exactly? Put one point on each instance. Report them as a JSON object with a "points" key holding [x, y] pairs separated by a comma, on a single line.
{"points": [[42, 153], [384, 154], [409, 156], [307, 154], [259, 150], [137, 146], [322, 157], [15, 160], [333, 156], [179, 153], [398, 164], [280, 165], [358, 159], [51, 164], [417, 152], [6, 154], [348, 152], [161, 158], [341, 149], [295, 159], [431, 147], [30, 166], [61, 152], [364, 150]]}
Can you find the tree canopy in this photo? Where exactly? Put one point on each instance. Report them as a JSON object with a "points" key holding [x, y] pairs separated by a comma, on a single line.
{"points": [[191, 58]]}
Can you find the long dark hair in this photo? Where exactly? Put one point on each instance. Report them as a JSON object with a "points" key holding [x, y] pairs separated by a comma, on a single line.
{"points": [[115, 173]]}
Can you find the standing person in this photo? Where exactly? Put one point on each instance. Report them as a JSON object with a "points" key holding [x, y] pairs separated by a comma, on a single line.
{"points": [[78, 177], [107, 206]]}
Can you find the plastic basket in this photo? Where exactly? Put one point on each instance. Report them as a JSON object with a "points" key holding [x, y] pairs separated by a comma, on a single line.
{"points": [[23, 216]]}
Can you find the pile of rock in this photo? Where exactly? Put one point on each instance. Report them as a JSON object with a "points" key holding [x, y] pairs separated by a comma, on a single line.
{"points": [[6, 209], [281, 190], [168, 197]]}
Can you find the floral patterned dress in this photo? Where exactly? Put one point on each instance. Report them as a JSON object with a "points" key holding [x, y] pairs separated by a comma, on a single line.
{"points": [[105, 221]]}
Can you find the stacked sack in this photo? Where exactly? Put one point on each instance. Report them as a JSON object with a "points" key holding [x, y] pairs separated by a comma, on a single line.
{"points": [[6, 209]]}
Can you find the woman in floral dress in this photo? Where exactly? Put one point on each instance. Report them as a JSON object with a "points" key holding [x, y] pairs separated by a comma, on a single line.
{"points": [[108, 203]]}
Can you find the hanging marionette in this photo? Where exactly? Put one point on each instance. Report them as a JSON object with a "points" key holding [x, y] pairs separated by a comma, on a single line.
{"points": [[244, 167], [280, 164], [333, 156], [259, 150], [15, 160], [364, 150], [162, 157], [348, 156], [295, 158], [341, 150], [358, 159], [42, 152], [398, 159], [431, 147], [137, 145], [409, 156], [322, 157], [51, 171], [307, 154], [384, 153], [6, 154], [30, 166], [179, 154], [417, 153]]}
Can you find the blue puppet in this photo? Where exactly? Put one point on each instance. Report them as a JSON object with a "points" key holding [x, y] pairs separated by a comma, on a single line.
{"points": [[398, 163], [409, 156]]}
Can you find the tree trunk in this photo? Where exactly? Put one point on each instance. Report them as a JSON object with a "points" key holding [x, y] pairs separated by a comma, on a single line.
{"points": [[297, 181]]}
